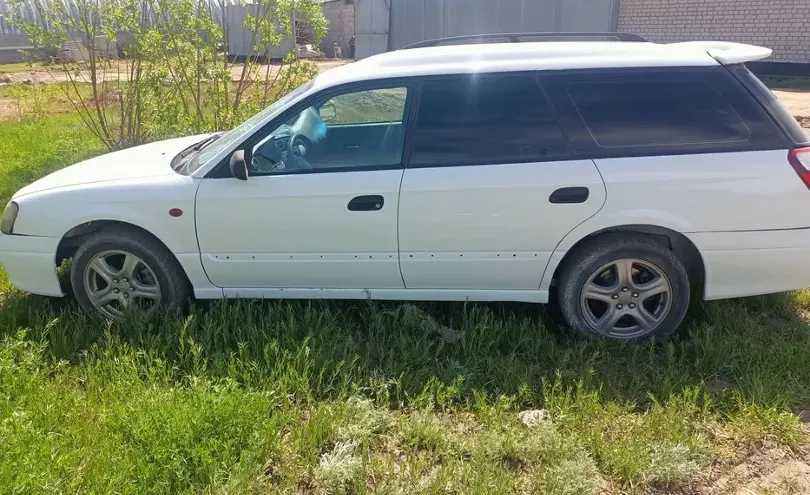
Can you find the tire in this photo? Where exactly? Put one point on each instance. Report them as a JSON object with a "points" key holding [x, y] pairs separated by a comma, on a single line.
{"points": [[156, 274], [595, 279]]}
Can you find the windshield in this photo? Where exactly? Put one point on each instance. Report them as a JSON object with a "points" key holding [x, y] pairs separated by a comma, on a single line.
{"points": [[238, 133]]}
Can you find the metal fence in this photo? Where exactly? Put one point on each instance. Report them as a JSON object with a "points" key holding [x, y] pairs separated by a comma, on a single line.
{"points": [[12, 40], [383, 25]]}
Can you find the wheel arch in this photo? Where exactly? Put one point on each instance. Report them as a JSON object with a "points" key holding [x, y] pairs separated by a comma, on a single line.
{"points": [[682, 246], [73, 238]]}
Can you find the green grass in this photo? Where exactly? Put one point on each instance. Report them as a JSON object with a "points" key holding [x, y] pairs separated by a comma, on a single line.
{"points": [[272, 396], [784, 82], [355, 397], [34, 148], [369, 107], [21, 67]]}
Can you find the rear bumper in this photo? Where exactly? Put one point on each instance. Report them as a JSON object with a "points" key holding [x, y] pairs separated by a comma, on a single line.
{"points": [[740, 264], [31, 263]]}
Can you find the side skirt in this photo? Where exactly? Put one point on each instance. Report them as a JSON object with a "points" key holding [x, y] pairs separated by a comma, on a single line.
{"points": [[529, 296]]}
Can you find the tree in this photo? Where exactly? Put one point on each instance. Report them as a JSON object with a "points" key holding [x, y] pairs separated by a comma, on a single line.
{"points": [[169, 72]]}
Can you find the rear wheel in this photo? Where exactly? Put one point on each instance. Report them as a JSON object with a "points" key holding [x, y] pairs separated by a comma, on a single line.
{"points": [[114, 270], [624, 287]]}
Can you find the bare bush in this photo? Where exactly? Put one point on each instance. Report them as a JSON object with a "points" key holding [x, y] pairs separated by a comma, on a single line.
{"points": [[142, 70]]}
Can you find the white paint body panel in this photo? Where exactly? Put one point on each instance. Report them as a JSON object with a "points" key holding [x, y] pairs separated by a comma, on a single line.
{"points": [[116, 187], [488, 227], [725, 194], [729, 53], [296, 231], [706, 192], [140, 162], [752, 263], [30, 264]]}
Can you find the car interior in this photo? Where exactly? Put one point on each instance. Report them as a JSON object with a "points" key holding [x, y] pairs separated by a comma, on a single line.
{"points": [[336, 134]]}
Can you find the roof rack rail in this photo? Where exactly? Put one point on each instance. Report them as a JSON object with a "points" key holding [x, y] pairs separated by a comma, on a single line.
{"points": [[520, 37]]}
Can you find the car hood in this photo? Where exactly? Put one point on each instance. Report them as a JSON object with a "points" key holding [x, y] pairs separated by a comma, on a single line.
{"points": [[148, 160]]}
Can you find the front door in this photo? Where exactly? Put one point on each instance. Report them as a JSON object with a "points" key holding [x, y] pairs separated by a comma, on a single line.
{"points": [[319, 209], [491, 188]]}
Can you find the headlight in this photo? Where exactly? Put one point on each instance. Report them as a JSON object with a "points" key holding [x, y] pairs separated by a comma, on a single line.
{"points": [[9, 216]]}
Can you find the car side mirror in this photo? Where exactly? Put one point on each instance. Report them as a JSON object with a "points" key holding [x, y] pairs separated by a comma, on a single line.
{"points": [[328, 111], [238, 165]]}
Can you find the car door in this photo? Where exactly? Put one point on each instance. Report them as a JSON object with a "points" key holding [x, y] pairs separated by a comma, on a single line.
{"points": [[491, 187], [305, 218]]}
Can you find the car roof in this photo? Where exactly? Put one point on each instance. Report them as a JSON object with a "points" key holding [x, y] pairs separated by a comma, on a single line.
{"points": [[547, 55]]}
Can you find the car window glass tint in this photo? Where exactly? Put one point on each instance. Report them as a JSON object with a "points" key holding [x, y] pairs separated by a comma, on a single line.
{"points": [[485, 120], [651, 111], [368, 107], [350, 131], [766, 97]]}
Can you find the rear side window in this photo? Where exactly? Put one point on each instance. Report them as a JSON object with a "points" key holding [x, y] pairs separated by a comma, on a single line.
{"points": [[486, 120], [632, 113], [772, 104], [650, 112]]}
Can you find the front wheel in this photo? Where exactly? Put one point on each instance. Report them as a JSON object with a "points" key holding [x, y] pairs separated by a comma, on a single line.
{"points": [[624, 287], [113, 270]]}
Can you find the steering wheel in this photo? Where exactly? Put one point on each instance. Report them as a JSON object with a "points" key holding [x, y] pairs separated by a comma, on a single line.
{"points": [[262, 163], [295, 157]]}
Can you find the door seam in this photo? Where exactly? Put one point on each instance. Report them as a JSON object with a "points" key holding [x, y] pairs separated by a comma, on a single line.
{"points": [[197, 236], [554, 251], [399, 251]]}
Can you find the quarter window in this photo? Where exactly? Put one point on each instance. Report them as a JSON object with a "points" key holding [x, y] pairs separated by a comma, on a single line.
{"points": [[485, 120], [643, 112]]}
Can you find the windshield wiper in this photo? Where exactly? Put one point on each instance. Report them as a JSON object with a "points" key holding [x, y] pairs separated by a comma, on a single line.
{"points": [[181, 160], [205, 142], [199, 146]]}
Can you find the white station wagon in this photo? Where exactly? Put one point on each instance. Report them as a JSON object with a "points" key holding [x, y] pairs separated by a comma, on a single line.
{"points": [[617, 177]]}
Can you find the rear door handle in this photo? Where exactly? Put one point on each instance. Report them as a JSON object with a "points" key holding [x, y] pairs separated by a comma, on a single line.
{"points": [[352, 146], [367, 203], [569, 195]]}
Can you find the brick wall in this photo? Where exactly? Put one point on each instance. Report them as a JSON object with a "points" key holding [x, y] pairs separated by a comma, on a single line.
{"points": [[341, 26], [782, 25]]}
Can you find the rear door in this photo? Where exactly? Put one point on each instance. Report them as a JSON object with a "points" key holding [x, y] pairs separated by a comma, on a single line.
{"points": [[491, 187], [686, 147]]}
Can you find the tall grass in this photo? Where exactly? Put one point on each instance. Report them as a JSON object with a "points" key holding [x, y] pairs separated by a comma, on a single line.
{"points": [[362, 396], [33, 148], [320, 397]]}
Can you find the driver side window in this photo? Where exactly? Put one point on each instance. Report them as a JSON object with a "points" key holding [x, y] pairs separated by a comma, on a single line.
{"points": [[349, 131]]}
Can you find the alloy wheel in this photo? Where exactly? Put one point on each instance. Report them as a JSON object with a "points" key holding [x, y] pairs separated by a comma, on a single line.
{"points": [[626, 298], [114, 280]]}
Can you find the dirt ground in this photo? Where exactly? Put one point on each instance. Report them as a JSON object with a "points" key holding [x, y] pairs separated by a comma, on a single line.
{"points": [[798, 103], [765, 470], [119, 71]]}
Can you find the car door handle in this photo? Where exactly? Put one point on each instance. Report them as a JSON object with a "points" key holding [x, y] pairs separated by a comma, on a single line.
{"points": [[367, 203], [352, 146], [569, 195]]}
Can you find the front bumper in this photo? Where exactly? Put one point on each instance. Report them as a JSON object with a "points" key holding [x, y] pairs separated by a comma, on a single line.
{"points": [[30, 262]]}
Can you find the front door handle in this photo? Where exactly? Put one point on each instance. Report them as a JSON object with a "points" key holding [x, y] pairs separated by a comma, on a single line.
{"points": [[367, 203], [569, 195]]}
